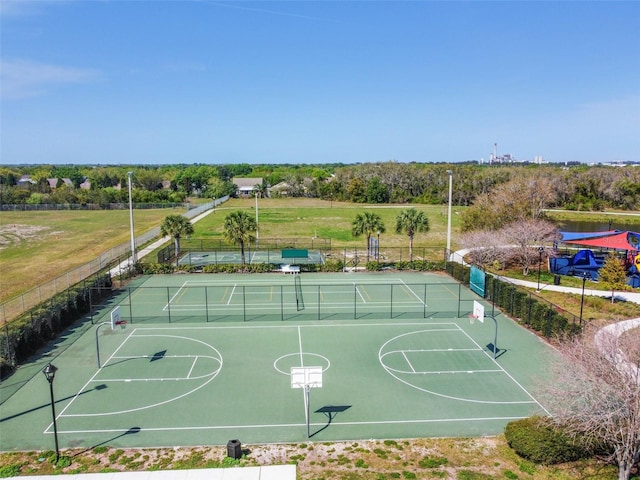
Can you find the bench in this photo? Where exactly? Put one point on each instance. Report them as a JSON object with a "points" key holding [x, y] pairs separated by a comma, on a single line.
{"points": [[293, 269]]}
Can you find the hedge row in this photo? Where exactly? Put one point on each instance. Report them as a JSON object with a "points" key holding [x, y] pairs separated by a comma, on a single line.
{"points": [[542, 316], [24, 336]]}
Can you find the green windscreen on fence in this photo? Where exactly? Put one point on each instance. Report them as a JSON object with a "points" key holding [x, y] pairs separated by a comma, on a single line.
{"points": [[477, 280], [295, 253]]}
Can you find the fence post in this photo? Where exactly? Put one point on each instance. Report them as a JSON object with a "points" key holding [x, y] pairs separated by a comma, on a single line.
{"points": [[169, 304], [206, 304], [424, 302], [130, 306], [355, 296]]}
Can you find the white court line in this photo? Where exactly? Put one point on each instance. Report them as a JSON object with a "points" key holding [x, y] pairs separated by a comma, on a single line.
{"points": [[192, 367], [423, 323], [413, 293], [145, 407], [300, 346], [233, 290], [408, 362], [507, 374], [174, 296], [90, 380], [358, 292], [298, 425]]}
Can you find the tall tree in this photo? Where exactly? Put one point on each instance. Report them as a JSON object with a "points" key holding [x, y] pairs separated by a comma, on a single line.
{"points": [[367, 223], [595, 392], [239, 229], [176, 226], [523, 238], [411, 221]]}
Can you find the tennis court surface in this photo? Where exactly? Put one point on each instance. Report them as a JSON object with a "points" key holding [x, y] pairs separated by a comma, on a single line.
{"points": [[409, 366]]}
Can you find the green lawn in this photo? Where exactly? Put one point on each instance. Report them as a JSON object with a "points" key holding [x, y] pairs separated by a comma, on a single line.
{"points": [[38, 246]]}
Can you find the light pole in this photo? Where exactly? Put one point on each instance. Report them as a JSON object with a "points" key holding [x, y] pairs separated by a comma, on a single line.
{"points": [[378, 247], [134, 260], [449, 213], [540, 252], [585, 275], [257, 233], [50, 373]]}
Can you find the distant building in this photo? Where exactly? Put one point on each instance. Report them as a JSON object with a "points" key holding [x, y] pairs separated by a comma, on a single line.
{"points": [[246, 186]]}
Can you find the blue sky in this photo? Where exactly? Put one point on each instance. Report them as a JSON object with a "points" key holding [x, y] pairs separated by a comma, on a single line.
{"points": [[109, 82]]}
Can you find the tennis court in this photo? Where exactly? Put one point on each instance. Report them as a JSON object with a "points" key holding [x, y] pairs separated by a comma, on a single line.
{"points": [[270, 256], [422, 370]]}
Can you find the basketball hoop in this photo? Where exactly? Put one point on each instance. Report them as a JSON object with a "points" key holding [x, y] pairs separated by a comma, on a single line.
{"points": [[122, 323]]}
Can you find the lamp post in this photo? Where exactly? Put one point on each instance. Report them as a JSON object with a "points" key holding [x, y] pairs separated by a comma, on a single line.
{"points": [[540, 252], [378, 247], [134, 260], [449, 213], [585, 275], [257, 229], [50, 373]]}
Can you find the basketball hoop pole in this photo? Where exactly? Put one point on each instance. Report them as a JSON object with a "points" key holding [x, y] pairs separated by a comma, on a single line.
{"points": [[307, 389], [98, 343], [495, 336]]}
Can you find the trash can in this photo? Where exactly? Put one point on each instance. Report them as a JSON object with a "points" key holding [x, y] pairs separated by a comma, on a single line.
{"points": [[234, 449], [556, 279]]}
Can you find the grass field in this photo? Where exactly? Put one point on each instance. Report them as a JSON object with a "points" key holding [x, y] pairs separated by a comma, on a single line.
{"points": [[38, 246], [308, 218]]}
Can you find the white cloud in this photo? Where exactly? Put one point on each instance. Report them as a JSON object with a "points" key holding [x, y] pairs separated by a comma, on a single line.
{"points": [[23, 79]]}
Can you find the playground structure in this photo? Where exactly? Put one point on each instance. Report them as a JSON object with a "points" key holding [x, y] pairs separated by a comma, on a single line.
{"points": [[587, 262]]}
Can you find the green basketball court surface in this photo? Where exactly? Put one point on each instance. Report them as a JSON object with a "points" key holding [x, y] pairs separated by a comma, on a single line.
{"points": [[207, 358]]}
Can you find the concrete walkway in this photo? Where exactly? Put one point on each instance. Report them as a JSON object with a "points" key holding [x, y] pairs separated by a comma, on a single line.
{"points": [[124, 266], [272, 472]]}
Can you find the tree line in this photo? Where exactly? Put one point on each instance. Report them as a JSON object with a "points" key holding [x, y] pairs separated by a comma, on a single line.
{"points": [[577, 187]]}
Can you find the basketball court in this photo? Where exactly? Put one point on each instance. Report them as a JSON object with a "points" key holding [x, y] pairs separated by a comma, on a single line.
{"points": [[423, 371]]}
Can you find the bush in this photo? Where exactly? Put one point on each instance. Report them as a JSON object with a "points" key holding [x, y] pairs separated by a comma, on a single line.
{"points": [[157, 268], [332, 266], [374, 266], [535, 439]]}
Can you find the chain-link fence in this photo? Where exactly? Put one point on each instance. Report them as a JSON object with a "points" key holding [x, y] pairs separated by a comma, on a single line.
{"points": [[14, 307]]}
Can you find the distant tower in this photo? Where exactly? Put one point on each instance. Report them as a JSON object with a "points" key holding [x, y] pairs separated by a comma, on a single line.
{"points": [[494, 156]]}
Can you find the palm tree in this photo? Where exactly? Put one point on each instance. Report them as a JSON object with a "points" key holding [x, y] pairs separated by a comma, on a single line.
{"points": [[239, 228], [367, 223], [176, 226], [411, 221]]}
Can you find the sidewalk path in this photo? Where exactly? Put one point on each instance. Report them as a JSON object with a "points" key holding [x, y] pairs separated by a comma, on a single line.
{"points": [[124, 266], [271, 472]]}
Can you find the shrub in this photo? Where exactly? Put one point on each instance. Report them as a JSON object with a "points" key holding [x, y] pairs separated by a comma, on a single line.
{"points": [[7, 471], [428, 462], [374, 266], [332, 266], [535, 439], [157, 268]]}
